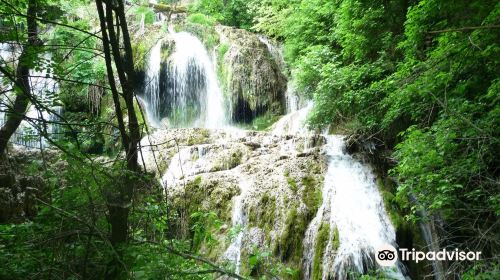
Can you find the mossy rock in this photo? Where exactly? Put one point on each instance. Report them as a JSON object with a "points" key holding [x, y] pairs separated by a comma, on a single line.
{"points": [[319, 249], [203, 195], [289, 247], [164, 8], [228, 161], [311, 194], [201, 137], [263, 215], [252, 80]]}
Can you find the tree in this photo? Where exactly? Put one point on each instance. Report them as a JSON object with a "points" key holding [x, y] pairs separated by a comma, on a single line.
{"points": [[15, 113], [111, 12]]}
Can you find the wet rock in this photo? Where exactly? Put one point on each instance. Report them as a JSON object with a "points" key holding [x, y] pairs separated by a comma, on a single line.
{"points": [[252, 145], [252, 76], [215, 166]]}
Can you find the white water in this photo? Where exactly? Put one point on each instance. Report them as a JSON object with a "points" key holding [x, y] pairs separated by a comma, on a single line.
{"points": [[43, 88], [293, 123], [193, 95], [351, 204], [190, 51], [291, 98], [275, 51], [239, 221], [428, 230], [152, 87]]}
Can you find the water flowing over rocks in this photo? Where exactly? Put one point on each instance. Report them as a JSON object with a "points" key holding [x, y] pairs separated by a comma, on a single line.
{"points": [[287, 191], [180, 86], [257, 179]]}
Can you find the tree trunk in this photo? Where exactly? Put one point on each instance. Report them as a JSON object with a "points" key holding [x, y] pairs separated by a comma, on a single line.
{"points": [[15, 114], [119, 201]]}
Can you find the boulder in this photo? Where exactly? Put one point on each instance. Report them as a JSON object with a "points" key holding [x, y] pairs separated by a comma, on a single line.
{"points": [[251, 74]]}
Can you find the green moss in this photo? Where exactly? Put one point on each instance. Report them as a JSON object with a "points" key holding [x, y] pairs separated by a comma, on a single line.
{"points": [[199, 138], [300, 147], [221, 51], [139, 114], [169, 8], [336, 239], [292, 184], [196, 194], [200, 196], [313, 167], [319, 249], [229, 161], [265, 121], [263, 214], [144, 12], [390, 204], [311, 194], [289, 247], [206, 33]]}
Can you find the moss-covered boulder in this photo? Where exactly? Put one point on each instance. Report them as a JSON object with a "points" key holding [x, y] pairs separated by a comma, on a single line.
{"points": [[250, 74]]}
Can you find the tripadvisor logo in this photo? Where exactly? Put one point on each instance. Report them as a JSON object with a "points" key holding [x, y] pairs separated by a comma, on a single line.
{"points": [[387, 255]]}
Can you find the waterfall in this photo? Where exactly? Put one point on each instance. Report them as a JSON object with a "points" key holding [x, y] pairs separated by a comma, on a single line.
{"points": [[43, 90], [427, 227], [238, 220], [353, 207], [184, 89], [293, 123], [189, 60], [275, 51], [292, 100], [152, 86]]}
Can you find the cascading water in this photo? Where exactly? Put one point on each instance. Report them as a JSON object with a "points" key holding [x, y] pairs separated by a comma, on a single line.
{"points": [[428, 230], [239, 221], [353, 207], [152, 86], [39, 118], [191, 57], [186, 91], [275, 51], [293, 123]]}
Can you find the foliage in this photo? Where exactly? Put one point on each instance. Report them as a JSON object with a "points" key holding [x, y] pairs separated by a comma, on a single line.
{"points": [[228, 12], [201, 19], [204, 225], [145, 14], [418, 77], [421, 77]]}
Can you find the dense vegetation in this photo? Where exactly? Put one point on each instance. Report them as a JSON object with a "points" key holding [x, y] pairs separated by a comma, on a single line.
{"points": [[418, 78]]}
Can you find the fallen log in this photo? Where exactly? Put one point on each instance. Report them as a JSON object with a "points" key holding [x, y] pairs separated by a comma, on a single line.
{"points": [[170, 9]]}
